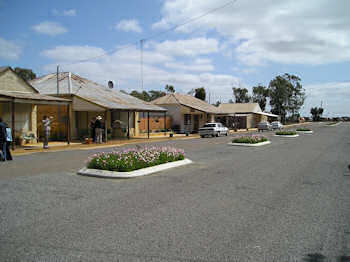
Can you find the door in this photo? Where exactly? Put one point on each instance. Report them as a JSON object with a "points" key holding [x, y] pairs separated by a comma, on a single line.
{"points": [[196, 123]]}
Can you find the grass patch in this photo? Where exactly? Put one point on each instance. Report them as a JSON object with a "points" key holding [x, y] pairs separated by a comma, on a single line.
{"points": [[286, 133], [135, 158], [303, 129], [249, 139]]}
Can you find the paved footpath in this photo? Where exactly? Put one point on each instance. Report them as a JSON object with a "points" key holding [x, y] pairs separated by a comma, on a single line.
{"points": [[287, 201]]}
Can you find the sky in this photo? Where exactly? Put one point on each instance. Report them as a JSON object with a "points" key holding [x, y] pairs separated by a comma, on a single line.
{"points": [[220, 44]]}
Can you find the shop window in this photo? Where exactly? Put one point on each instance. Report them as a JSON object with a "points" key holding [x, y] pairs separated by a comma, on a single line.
{"points": [[187, 119]]}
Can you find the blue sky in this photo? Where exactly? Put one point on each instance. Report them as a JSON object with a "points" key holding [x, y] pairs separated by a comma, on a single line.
{"points": [[243, 44]]}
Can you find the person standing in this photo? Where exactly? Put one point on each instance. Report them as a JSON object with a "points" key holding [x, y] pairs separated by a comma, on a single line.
{"points": [[47, 128], [8, 142], [92, 128], [2, 140], [98, 130]]}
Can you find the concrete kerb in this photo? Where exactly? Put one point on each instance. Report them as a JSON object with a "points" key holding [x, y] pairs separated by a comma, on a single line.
{"points": [[289, 136], [137, 173], [305, 132], [250, 145]]}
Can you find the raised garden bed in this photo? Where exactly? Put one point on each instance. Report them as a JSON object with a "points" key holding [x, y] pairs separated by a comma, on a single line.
{"points": [[250, 141], [134, 162], [286, 134], [304, 130]]}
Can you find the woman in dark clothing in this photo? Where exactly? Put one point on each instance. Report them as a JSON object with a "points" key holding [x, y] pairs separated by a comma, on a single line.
{"points": [[98, 129], [92, 129], [8, 143]]}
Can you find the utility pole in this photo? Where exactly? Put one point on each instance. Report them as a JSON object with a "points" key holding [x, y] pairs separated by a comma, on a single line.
{"points": [[141, 61], [58, 88]]}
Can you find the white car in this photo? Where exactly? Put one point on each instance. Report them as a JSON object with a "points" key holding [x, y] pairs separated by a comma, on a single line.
{"points": [[276, 125], [213, 129]]}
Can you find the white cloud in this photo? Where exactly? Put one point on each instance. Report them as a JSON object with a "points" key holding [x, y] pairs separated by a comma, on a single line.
{"points": [[188, 47], [70, 12], [49, 28], [72, 53], [335, 97], [129, 26], [9, 50], [159, 69], [304, 32]]}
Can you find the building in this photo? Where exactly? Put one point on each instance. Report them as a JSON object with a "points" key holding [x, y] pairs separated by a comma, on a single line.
{"points": [[243, 115], [188, 113], [120, 111], [18, 105]]}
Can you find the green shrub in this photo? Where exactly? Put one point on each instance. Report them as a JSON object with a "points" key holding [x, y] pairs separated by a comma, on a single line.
{"points": [[133, 159], [286, 133], [249, 139], [303, 129]]}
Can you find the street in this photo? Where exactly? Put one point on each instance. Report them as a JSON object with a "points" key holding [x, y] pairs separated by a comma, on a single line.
{"points": [[287, 201]]}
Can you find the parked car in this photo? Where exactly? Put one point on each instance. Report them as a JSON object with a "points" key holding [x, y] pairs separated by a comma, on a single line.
{"points": [[276, 125], [213, 129], [264, 126]]}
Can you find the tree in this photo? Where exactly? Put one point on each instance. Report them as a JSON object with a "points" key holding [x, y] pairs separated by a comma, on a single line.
{"points": [[241, 95], [25, 74], [286, 95], [170, 89], [156, 94], [260, 95], [141, 95], [217, 103], [200, 93], [316, 113], [297, 97]]}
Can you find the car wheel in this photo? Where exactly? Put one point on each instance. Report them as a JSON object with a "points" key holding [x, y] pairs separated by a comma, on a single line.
{"points": [[202, 136], [217, 134], [226, 133]]}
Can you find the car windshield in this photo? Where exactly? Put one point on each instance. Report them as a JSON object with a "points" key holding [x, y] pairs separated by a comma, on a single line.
{"points": [[209, 125]]}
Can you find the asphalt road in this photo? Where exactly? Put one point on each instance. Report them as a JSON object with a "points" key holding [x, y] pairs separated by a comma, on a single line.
{"points": [[287, 201]]}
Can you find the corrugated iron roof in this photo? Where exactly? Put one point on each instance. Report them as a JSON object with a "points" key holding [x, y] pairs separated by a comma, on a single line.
{"points": [[186, 100], [91, 91], [230, 108], [3, 68], [32, 96]]}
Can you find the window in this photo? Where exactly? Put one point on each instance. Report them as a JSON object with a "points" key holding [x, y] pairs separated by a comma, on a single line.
{"points": [[187, 119]]}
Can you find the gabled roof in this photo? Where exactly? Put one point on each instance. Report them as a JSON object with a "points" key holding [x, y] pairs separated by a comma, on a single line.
{"points": [[91, 92], [186, 100], [4, 68], [32, 97], [230, 108]]}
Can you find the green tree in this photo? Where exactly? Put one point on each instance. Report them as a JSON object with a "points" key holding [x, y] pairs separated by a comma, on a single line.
{"points": [[26, 74], [141, 95], [286, 95], [316, 113], [217, 103], [156, 94], [200, 93], [170, 89], [241, 95], [260, 95]]}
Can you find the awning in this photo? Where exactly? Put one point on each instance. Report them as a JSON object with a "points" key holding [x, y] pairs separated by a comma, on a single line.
{"points": [[31, 98], [266, 114]]}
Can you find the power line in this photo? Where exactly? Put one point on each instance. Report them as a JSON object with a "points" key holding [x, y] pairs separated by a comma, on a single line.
{"points": [[154, 36]]}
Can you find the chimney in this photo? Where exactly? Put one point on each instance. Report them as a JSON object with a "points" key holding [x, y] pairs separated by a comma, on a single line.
{"points": [[110, 84], [69, 82]]}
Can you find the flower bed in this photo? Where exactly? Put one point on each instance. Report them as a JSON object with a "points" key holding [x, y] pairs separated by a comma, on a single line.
{"points": [[286, 133], [134, 159], [249, 139], [303, 129]]}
